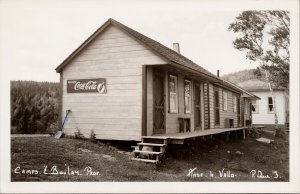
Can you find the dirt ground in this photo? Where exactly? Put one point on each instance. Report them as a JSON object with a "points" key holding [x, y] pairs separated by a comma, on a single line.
{"points": [[66, 159]]}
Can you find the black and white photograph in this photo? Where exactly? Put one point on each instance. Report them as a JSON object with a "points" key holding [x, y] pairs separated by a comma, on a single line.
{"points": [[149, 96]]}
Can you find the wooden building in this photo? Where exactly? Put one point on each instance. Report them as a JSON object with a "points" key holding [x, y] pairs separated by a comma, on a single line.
{"points": [[263, 111], [123, 85]]}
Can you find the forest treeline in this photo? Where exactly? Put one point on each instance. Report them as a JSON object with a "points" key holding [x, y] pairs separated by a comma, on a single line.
{"points": [[34, 107], [242, 75]]}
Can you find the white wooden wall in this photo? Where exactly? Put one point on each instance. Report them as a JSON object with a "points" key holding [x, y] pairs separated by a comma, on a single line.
{"points": [[116, 115], [265, 117]]}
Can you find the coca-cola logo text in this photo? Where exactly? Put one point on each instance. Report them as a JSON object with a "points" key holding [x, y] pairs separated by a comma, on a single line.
{"points": [[87, 86], [91, 85]]}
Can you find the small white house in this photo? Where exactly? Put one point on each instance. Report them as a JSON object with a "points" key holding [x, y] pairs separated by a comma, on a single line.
{"points": [[263, 110]]}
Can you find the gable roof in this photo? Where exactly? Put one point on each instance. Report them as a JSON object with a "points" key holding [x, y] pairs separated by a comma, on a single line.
{"points": [[246, 93], [255, 85], [158, 48]]}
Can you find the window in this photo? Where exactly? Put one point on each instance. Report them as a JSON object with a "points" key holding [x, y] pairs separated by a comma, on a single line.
{"points": [[217, 107], [234, 103], [173, 94], [225, 101], [254, 106], [270, 104], [187, 96]]}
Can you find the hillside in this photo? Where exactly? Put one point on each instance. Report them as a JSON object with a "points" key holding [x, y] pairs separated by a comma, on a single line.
{"points": [[241, 76], [34, 107]]}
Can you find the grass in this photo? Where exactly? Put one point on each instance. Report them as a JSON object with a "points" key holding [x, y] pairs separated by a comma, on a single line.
{"points": [[110, 161]]}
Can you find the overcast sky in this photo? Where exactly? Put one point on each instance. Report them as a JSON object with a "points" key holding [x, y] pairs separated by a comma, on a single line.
{"points": [[36, 36]]}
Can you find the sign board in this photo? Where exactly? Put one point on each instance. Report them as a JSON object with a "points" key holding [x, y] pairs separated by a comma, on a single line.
{"points": [[97, 85]]}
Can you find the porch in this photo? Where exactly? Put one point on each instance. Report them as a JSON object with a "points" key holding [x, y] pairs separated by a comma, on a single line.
{"points": [[154, 146], [178, 138]]}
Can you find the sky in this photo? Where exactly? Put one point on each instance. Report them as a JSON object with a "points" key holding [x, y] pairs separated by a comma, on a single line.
{"points": [[36, 36]]}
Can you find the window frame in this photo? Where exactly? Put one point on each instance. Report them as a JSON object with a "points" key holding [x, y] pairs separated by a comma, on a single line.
{"points": [[173, 93], [225, 101], [190, 96], [255, 104], [269, 104], [234, 102]]}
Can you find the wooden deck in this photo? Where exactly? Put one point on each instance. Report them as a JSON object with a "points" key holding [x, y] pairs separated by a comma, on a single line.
{"points": [[178, 138]]}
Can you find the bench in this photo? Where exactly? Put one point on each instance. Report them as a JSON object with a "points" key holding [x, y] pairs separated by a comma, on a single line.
{"points": [[184, 125]]}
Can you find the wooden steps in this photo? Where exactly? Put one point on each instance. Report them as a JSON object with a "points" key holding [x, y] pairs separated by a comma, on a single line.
{"points": [[151, 144], [147, 152], [150, 150]]}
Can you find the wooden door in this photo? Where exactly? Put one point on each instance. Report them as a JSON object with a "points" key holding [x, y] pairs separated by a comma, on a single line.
{"points": [[158, 102], [197, 106]]}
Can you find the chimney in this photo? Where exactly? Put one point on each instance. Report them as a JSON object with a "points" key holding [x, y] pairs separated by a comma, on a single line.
{"points": [[176, 47], [218, 73]]}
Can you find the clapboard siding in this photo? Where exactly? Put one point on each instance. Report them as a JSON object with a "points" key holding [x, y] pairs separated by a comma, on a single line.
{"points": [[124, 92], [227, 114], [117, 55], [211, 106], [113, 80], [106, 134], [206, 108], [100, 99], [118, 58], [129, 114], [107, 72], [104, 121], [265, 117]]}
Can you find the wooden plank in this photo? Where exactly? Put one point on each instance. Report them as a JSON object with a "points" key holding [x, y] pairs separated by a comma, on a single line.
{"points": [[107, 73], [60, 101], [101, 99], [146, 152], [118, 50], [121, 93], [113, 56], [149, 101], [104, 121], [182, 136], [151, 144], [152, 59], [104, 131], [97, 104], [112, 46], [134, 79], [144, 101], [144, 160], [115, 115]]}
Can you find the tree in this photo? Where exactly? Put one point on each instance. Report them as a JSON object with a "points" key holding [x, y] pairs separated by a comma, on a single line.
{"points": [[265, 36]]}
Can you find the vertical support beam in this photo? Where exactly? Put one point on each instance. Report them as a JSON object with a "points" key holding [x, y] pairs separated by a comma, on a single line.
{"points": [[144, 100], [227, 134], [244, 134], [60, 106]]}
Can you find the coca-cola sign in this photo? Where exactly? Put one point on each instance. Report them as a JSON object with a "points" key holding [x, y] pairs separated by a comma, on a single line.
{"points": [[87, 86]]}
